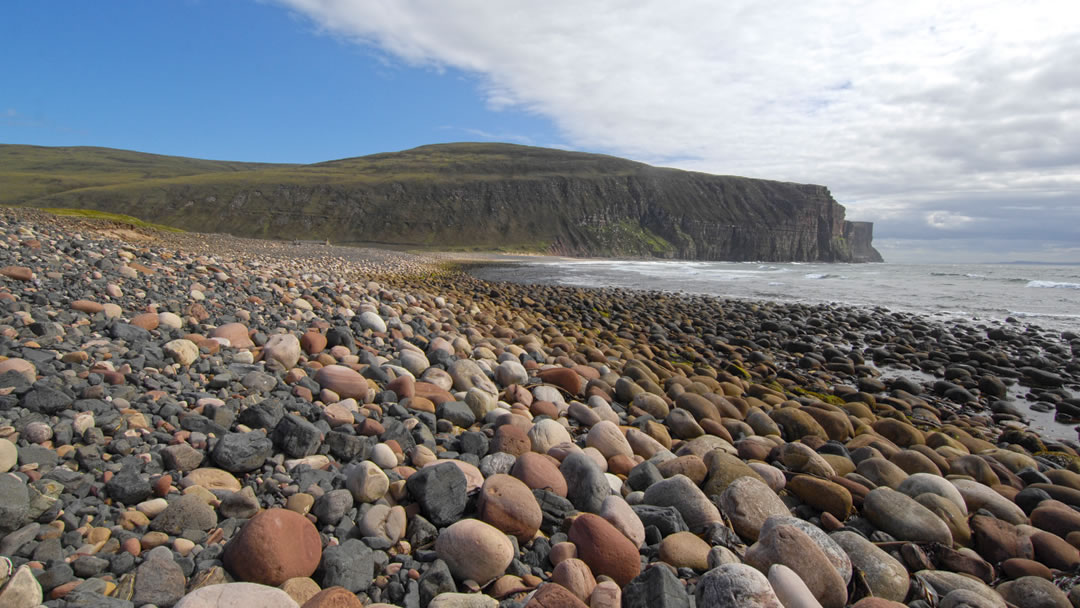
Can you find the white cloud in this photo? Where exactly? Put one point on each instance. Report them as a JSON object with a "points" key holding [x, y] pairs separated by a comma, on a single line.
{"points": [[892, 105]]}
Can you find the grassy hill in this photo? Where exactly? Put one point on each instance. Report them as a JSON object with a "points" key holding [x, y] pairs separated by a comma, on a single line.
{"points": [[467, 195]]}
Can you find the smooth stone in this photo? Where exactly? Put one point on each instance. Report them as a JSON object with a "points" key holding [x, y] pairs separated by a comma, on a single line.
{"points": [[22, 590], [211, 479], [822, 494], [882, 472], [802, 458], [1033, 592], [554, 595], [283, 348], [904, 518], [785, 544], [184, 352], [272, 547], [546, 434], [237, 595], [508, 504], [680, 492], [606, 437], [790, 589], [836, 555], [575, 575], [748, 502], [9, 455], [604, 548], [345, 382], [924, 483], [943, 583], [951, 514], [886, 576], [459, 600], [384, 521], [724, 468], [685, 550], [620, 514], [1056, 518], [964, 598], [539, 472], [737, 586], [997, 540], [977, 496], [474, 550], [235, 333], [366, 481]]}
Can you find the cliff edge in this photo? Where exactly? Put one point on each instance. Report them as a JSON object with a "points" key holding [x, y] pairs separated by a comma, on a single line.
{"points": [[468, 195]]}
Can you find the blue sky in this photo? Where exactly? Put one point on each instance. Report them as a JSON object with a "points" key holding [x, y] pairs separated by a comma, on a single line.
{"points": [[228, 79], [955, 127]]}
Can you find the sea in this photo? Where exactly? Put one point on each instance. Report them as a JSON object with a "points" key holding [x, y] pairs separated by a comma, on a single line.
{"points": [[1044, 296]]}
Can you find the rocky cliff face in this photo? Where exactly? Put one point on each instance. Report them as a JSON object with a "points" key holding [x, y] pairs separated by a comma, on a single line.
{"points": [[492, 196]]}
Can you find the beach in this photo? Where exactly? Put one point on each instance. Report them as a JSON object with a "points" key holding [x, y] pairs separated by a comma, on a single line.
{"points": [[189, 418]]}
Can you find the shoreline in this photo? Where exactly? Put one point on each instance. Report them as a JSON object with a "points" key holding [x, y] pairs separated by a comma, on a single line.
{"points": [[172, 403]]}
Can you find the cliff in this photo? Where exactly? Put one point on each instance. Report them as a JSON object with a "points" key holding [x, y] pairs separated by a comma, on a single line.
{"points": [[477, 196]]}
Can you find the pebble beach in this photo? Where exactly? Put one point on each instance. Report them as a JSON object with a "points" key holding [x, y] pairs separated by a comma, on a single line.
{"points": [[202, 421]]}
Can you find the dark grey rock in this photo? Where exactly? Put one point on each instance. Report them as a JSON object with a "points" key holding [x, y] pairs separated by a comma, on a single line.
{"points": [[332, 506], [435, 580], [666, 519], [186, 512], [656, 587], [129, 487], [555, 510], [296, 437], [586, 485], [159, 580], [263, 415], [47, 400], [350, 564], [242, 452], [347, 448], [643, 475], [441, 491], [14, 503], [457, 412], [129, 333]]}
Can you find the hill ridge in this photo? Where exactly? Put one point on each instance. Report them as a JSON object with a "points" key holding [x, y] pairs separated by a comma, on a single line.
{"points": [[476, 195]]}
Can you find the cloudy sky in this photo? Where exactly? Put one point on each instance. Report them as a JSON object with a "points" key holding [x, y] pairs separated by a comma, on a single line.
{"points": [[954, 126]]}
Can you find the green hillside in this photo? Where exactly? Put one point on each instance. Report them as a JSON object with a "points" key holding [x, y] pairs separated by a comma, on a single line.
{"points": [[466, 195]]}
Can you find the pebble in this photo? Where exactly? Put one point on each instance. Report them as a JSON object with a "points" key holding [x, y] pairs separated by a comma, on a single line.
{"points": [[129, 438]]}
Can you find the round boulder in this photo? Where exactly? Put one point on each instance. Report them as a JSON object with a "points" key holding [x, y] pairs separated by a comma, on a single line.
{"points": [[274, 546]]}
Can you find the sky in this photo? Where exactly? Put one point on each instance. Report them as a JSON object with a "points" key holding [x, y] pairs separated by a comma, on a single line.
{"points": [[953, 126]]}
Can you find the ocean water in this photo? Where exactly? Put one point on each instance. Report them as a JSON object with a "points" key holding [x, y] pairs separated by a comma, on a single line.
{"points": [[1042, 295]]}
